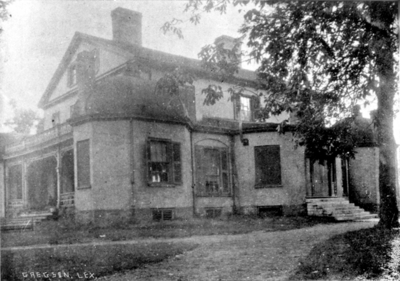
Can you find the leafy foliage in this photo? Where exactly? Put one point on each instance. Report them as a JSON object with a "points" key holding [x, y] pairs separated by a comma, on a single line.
{"points": [[24, 120], [3, 10], [170, 83], [317, 60]]}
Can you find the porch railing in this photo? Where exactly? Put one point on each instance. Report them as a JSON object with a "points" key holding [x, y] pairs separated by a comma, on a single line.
{"points": [[31, 141], [67, 199]]}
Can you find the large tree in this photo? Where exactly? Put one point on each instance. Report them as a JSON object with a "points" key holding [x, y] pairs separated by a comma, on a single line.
{"points": [[318, 59], [24, 121]]}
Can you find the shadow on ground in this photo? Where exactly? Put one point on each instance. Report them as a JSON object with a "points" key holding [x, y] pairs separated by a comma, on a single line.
{"points": [[367, 253]]}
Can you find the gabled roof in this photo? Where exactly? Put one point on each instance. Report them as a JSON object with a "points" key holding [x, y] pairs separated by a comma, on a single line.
{"points": [[153, 57]]}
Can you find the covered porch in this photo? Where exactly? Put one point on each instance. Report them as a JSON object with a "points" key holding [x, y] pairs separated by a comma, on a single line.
{"points": [[39, 173]]}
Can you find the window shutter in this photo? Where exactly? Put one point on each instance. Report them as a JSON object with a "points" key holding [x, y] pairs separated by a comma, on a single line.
{"points": [[83, 163], [268, 165], [200, 171], [236, 107], [176, 163], [147, 156], [224, 170], [254, 106]]}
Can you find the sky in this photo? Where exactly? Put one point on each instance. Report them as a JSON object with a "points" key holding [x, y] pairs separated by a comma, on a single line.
{"points": [[38, 32]]}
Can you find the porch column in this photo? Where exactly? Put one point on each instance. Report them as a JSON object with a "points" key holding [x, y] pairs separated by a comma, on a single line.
{"points": [[58, 171], [3, 189], [25, 167], [308, 177]]}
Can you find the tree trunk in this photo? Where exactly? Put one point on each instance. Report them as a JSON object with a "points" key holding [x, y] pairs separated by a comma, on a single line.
{"points": [[388, 212]]}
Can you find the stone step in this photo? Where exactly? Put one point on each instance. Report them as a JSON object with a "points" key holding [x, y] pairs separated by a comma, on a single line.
{"points": [[356, 218], [362, 214], [328, 204], [348, 207], [344, 212], [25, 221], [339, 208], [8, 226], [35, 214], [325, 199]]}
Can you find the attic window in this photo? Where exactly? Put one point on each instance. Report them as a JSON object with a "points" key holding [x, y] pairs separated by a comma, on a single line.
{"points": [[72, 76]]}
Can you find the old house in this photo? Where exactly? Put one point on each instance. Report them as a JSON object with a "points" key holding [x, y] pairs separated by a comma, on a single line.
{"points": [[113, 148]]}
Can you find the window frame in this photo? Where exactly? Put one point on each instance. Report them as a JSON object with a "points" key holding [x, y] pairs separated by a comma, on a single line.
{"points": [[258, 183], [78, 170], [227, 171], [174, 173], [213, 212], [252, 106], [162, 212]]}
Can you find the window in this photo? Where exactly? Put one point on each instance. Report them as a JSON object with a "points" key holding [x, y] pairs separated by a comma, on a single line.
{"points": [[163, 214], [267, 211], [267, 165], [245, 107], [15, 182], [72, 76], [83, 163], [55, 118], [164, 162], [212, 172], [212, 213]]}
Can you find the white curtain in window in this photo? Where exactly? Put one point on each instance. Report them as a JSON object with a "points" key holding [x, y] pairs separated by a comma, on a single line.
{"points": [[158, 152]]}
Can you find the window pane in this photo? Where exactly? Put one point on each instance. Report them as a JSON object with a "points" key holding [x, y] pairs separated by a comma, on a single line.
{"points": [[177, 167], [225, 183], [83, 161], [224, 160], [213, 161], [158, 152], [159, 172], [245, 110], [268, 166], [212, 184]]}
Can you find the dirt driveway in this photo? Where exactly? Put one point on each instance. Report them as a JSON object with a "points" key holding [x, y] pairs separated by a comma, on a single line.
{"points": [[254, 256]]}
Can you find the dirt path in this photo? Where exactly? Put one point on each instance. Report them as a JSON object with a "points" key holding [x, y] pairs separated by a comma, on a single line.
{"points": [[256, 256]]}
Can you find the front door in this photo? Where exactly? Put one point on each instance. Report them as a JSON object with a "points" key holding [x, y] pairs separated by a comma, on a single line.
{"points": [[42, 183], [323, 179]]}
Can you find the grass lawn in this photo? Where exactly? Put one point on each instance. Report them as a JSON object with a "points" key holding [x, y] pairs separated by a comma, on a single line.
{"points": [[84, 262], [366, 254], [66, 232]]}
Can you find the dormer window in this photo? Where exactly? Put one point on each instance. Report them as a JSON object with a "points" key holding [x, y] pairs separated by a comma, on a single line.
{"points": [[245, 107], [72, 76]]}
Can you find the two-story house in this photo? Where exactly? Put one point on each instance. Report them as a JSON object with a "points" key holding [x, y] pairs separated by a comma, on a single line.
{"points": [[113, 148]]}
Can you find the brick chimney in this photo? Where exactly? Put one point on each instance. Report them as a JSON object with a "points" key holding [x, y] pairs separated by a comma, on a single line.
{"points": [[229, 43], [127, 26], [85, 78]]}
